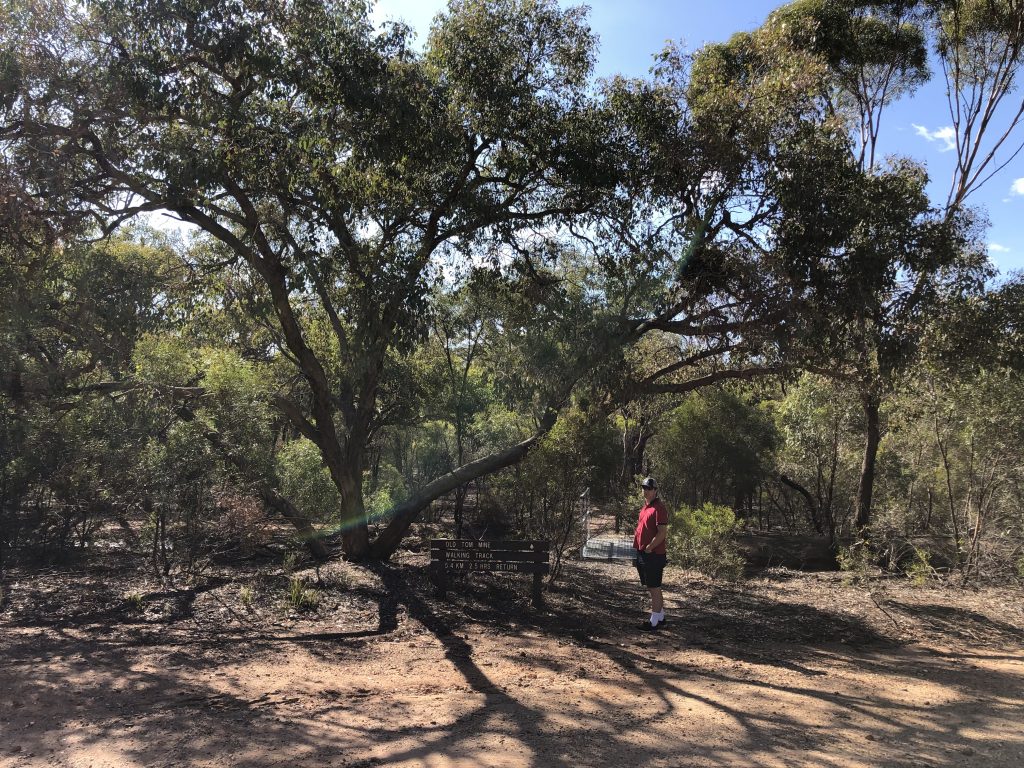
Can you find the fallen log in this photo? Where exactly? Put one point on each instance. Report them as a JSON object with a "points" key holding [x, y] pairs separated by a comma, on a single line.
{"points": [[799, 552]]}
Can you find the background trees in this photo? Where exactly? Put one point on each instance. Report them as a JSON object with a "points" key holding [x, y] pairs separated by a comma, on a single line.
{"points": [[345, 172], [871, 257], [714, 448], [409, 267]]}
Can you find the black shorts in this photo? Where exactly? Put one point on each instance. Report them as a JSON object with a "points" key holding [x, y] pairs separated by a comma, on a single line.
{"points": [[650, 567]]}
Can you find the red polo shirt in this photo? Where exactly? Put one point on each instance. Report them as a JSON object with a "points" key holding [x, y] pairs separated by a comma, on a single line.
{"points": [[652, 515]]}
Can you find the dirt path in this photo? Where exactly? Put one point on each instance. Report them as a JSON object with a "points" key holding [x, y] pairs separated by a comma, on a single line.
{"points": [[805, 671]]}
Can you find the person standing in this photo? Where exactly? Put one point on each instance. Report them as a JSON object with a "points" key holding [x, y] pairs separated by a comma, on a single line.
{"points": [[651, 553]]}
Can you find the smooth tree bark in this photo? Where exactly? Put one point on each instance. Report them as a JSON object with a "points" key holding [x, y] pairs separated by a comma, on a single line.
{"points": [[866, 482]]}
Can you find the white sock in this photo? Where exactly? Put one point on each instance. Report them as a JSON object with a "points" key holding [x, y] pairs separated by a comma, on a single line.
{"points": [[657, 618]]}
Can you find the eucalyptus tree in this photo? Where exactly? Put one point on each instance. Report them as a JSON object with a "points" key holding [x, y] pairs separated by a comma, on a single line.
{"points": [[980, 47], [71, 315], [768, 235], [875, 52], [756, 222], [681, 244], [339, 169], [820, 444], [880, 263], [875, 257], [695, 293], [716, 447]]}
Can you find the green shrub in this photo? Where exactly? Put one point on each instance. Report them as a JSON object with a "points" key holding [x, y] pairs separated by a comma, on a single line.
{"points": [[133, 600], [247, 595], [300, 597], [716, 446], [381, 493], [577, 454], [306, 482], [292, 559], [856, 558], [165, 358], [919, 569], [703, 538]]}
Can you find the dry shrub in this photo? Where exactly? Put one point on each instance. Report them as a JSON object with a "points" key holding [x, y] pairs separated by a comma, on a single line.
{"points": [[241, 519]]}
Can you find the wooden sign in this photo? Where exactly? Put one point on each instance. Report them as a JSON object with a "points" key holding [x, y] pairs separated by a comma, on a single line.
{"points": [[494, 556], [490, 546], [485, 565]]}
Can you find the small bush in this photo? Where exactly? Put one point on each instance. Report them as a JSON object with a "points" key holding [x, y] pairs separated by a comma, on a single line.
{"points": [[133, 600], [919, 569], [884, 550], [300, 597], [377, 504], [704, 539], [856, 558], [241, 519], [382, 492], [306, 481], [247, 595], [291, 560]]}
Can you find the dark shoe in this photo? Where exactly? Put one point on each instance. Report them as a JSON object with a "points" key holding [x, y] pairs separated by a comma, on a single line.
{"points": [[646, 626]]}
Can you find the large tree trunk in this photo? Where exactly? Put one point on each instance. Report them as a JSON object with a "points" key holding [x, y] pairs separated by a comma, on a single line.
{"points": [[867, 469], [355, 533]]}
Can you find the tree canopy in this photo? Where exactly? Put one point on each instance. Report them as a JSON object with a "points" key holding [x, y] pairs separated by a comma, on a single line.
{"points": [[475, 239]]}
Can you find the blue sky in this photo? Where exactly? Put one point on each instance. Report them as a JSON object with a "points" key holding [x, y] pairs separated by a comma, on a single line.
{"points": [[632, 31]]}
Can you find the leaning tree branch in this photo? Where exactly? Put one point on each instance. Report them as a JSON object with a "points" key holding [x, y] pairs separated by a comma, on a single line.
{"points": [[727, 374], [686, 362], [404, 514]]}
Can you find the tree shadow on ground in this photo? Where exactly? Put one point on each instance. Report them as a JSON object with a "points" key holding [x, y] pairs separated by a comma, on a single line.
{"points": [[594, 607], [173, 715], [771, 641], [152, 710], [960, 623]]}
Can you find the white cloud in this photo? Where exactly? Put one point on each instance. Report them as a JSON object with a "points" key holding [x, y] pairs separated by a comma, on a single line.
{"points": [[997, 248], [1017, 188], [945, 135]]}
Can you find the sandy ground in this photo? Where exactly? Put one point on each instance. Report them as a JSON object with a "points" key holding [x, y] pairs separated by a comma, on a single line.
{"points": [[789, 670]]}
